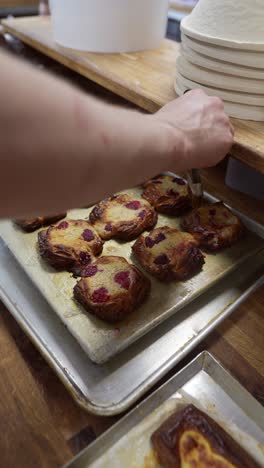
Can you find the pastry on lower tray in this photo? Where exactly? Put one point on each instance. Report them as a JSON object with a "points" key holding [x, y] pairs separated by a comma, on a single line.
{"points": [[30, 225], [169, 254], [70, 245], [191, 439], [169, 195], [112, 288], [123, 217], [213, 225]]}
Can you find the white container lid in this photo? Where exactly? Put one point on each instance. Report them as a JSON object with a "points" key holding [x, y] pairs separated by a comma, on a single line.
{"points": [[247, 58], [230, 23], [218, 80], [231, 96], [221, 66], [109, 26], [233, 109]]}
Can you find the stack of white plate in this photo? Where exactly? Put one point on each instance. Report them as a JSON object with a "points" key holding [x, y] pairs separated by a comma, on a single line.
{"points": [[223, 53]]}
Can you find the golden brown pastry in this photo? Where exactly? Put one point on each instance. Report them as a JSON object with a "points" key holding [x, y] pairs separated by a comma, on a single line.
{"points": [[70, 245], [191, 439], [112, 288], [169, 254], [213, 225], [169, 195], [30, 225], [123, 217]]}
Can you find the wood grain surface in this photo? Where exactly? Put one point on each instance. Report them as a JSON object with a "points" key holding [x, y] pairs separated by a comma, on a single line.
{"points": [[145, 78], [15, 3], [41, 426]]}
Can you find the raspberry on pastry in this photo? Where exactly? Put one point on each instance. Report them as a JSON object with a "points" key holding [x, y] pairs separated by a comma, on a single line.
{"points": [[213, 225], [190, 438], [30, 225], [122, 217], [70, 245], [168, 194], [111, 288], [169, 254]]}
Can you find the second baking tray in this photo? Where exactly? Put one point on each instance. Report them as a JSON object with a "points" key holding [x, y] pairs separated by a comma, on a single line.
{"points": [[204, 383], [100, 340], [113, 387]]}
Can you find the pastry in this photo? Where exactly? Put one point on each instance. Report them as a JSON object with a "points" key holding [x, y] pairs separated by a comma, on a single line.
{"points": [[191, 439], [169, 195], [111, 288], [122, 217], [70, 245], [213, 225], [30, 225], [169, 254]]}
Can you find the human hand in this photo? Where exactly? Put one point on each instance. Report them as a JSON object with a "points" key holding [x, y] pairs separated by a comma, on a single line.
{"points": [[206, 129]]}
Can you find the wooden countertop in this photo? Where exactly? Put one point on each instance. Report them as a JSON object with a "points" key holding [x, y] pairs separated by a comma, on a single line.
{"points": [[41, 424]]}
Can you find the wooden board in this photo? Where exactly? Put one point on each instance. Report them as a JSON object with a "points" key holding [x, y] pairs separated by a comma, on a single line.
{"points": [[144, 78], [15, 3]]}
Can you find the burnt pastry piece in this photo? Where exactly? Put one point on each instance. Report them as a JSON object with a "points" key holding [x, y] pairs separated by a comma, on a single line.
{"points": [[169, 195], [112, 288], [191, 439], [214, 226], [169, 254], [122, 217], [70, 245], [30, 225]]}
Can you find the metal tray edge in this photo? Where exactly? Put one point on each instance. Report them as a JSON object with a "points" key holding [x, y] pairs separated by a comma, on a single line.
{"points": [[125, 404], [196, 365], [205, 361]]}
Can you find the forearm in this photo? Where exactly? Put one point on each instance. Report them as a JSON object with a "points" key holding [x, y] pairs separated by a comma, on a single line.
{"points": [[63, 149]]}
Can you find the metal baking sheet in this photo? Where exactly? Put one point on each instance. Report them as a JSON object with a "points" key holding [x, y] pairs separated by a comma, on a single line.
{"points": [[100, 340], [204, 383], [113, 387]]}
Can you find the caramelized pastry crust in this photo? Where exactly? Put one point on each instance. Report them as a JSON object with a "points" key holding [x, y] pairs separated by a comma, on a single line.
{"points": [[169, 195], [169, 254], [191, 439], [214, 226], [112, 288], [70, 245], [123, 217], [30, 225]]}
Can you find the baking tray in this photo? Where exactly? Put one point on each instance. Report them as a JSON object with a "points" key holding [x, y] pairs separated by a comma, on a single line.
{"points": [[101, 341], [204, 383], [113, 387]]}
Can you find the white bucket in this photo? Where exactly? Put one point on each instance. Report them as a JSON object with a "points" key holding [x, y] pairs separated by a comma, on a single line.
{"points": [[109, 26]]}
